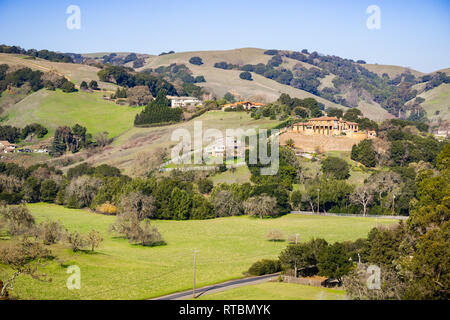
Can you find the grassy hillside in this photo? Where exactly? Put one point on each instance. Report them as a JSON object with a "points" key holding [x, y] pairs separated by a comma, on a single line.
{"points": [[133, 150], [277, 291], [437, 99], [119, 270], [56, 108], [74, 72], [392, 71], [223, 81]]}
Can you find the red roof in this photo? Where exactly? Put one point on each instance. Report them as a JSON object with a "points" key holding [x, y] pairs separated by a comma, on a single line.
{"points": [[324, 118]]}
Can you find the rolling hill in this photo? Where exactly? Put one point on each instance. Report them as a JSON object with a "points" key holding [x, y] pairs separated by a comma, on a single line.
{"points": [[223, 81], [54, 108]]}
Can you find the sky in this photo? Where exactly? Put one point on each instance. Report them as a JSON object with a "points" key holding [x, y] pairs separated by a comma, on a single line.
{"points": [[411, 33]]}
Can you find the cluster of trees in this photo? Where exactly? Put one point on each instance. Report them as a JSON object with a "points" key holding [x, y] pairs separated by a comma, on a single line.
{"points": [[286, 106], [68, 139], [401, 142], [13, 134], [35, 79], [435, 80], [93, 85], [224, 65], [116, 60], [391, 94], [412, 256], [19, 77], [43, 54], [177, 71], [126, 77], [158, 111]]}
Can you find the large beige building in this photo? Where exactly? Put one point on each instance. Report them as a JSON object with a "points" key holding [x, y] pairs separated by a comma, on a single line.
{"points": [[330, 126]]}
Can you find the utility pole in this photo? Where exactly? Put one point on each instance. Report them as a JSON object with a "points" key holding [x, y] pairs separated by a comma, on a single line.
{"points": [[296, 242], [195, 261]]}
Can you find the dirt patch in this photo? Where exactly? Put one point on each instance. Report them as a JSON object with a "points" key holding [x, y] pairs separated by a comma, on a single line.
{"points": [[319, 143]]}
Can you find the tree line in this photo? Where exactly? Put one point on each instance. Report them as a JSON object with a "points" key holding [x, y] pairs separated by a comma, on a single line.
{"points": [[412, 257]]}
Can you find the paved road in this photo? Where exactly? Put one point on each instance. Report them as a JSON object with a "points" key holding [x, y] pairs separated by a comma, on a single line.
{"points": [[218, 287]]}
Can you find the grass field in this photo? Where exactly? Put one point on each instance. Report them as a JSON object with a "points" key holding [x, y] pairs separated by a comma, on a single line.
{"points": [[119, 270], [56, 108], [277, 291], [437, 99], [241, 175]]}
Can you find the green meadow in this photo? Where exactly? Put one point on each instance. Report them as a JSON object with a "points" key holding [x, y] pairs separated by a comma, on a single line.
{"points": [[56, 108], [119, 270]]}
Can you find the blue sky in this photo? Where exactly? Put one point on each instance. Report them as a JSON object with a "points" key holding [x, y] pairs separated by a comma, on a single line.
{"points": [[413, 33]]}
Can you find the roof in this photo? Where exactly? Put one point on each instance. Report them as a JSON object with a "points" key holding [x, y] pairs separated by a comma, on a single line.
{"points": [[5, 143], [244, 102], [181, 98], [324, 118]]}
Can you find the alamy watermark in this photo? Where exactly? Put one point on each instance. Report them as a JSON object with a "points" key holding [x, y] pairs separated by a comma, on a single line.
{"points": [[374, 280], [213, 147], [74, 280], [73, 22], [374, 20]]}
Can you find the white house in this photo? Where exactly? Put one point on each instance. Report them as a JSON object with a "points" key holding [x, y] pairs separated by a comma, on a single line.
{"points": [[183, 102], [218, 148]]}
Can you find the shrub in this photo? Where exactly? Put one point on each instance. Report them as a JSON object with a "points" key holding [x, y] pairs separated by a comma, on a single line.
{"points": [[68, 87], [205, 186], [107, 208], [93, 239], [196, 61], [246, 76], [337, 167], [49, 232], [275, 235], [271, 52], [83, 85], [75, 240], [93, 85], [264, 266]]}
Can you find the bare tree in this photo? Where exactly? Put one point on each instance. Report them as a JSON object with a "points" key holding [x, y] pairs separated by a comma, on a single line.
{"points": [[137, 203], [261, 206], [75, 240], [102, 139], [226, 205], [93, 239], [18, 219], [363, 196], [23, 258], [80, 192], [49, 231]]}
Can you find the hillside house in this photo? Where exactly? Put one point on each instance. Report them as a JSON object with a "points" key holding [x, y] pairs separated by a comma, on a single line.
{"points": [[184, 102], [6, 147], [247, 105], [331, 126], [218, 148]]}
